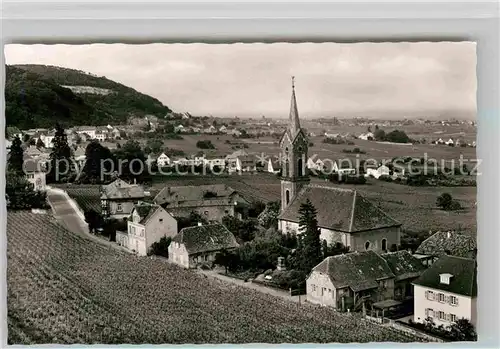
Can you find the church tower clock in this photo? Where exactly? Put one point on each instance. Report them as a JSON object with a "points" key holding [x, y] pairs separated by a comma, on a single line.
{"points": [[293, 145]]}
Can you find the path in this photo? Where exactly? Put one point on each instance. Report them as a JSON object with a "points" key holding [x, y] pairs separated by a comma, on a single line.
{"points": [[71, 219], [268, 290]]}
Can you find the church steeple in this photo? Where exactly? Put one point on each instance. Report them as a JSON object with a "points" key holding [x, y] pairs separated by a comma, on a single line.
{"points": [[293, 121], [294, 146]]}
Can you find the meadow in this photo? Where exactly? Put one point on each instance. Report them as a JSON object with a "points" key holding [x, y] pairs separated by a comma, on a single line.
{"points": [[66, 289]]}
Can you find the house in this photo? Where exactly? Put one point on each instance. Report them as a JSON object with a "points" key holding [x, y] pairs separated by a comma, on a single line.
{"points": [[119, 197], [89, 132], [240, 164], [163, 160], [147, 224], [344, 168], [273, 166], [344, 216], [440, 141], [35, 173], [179, 129], [459, 244], [47, 139], [332, 135], [406, 269], [223, 129], [447, 291], [200, 244], [380, 171], [101, 134], [367, 136], [450, 142], [217, 163], [317, 165], [234, 132], [348, 280], [212, 202]]}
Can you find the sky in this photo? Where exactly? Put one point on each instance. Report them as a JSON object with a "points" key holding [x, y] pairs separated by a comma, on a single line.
{"points": [[331, 79]]}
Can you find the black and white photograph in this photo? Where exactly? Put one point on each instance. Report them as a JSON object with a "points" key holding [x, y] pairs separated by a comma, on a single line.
{"points": [[237, 193]]}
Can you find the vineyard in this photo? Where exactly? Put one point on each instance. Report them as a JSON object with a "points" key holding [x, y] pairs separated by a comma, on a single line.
{"points": [[87, 196], [63, 288]]}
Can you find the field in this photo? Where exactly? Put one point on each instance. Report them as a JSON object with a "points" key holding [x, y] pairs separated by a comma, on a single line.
{"points": [[414, 207], [87, 196], [63, 288]]}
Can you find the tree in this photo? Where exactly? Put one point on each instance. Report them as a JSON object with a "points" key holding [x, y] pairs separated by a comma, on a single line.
{"points": [[16, 160], [444, 201], [12, 131], [463, 330], [379, 134], [160, 247], [99, 163], [26, 138], [20, 195], [132, 161], [226, 259], [94, 220], [310, 253], [205, 144], [61, 168]]}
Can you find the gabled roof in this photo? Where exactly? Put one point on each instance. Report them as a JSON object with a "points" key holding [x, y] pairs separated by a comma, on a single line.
{"points": [[357, 270], [145, 211], [463, 282], [200, 195], [403, 265], [206, 238], [120, 189], [339, 209], [237, 153], [458, 244]]}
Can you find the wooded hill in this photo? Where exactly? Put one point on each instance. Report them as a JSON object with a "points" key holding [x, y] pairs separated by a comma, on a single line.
{"points": [[35, 97]]}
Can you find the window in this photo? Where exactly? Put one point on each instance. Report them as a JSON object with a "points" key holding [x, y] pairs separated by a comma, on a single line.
{"points": [[287, 197], [429, 312], [142, 232], [226, 211], [384, 244], [367, 245], [441, 297], [119, 208], [441, 315], [300, 169], [322, 291], [453, 318], [205, 213], [133, 230], [314, 288], [429, 295], [453, 300], [161, 220], [330, 290]]}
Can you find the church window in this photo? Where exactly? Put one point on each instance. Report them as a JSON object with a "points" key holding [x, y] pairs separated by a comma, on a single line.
{"points": [[300, 168], [367, 245], [384, 244], [287, 197]]}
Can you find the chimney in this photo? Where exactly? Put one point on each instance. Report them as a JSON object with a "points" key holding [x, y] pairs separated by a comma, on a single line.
{"points": [[445, 278], [448, 234]]}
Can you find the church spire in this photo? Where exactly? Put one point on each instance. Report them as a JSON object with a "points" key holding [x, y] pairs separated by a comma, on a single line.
{"points": [[294, 124]]}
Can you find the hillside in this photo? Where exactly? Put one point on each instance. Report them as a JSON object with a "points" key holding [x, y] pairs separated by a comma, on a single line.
{"points": [[36, 95], [65, 289]]}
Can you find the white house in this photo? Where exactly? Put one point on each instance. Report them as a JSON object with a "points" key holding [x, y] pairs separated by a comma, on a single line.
{"points": [[47, 139], [101, 134], [367, 136], [223, 129], [179, 129], [376, 173], [90, 131], [343, 168], [200, 244], [447, 291], [35, 173], [450, 142], [245, 163], [163, 160], [215, 163], [273, 166], [317, 165], [147, 224]]}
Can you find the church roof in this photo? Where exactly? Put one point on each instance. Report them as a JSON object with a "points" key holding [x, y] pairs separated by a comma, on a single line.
{"points": [[339, 209], [293, 128]]}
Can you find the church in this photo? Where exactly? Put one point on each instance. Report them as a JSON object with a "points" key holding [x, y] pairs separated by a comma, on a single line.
{"points": [[343, 215]]}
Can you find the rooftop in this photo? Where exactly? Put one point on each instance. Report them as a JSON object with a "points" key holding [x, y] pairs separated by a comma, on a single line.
{"points": [[120, 189], [206, 238], [145, 211], [463, 282], [339, 209], [219, 194], [458, 244]]}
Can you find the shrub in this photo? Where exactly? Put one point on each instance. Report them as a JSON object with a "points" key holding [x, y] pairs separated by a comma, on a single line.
{"points": [[205, 144], [160, 248]]}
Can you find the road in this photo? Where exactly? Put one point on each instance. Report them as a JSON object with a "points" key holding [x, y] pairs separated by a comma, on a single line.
{"points": [[66, 214], [70, 219]]}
